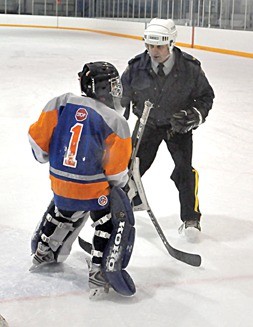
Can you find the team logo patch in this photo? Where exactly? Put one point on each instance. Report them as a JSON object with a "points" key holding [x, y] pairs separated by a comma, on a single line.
{"points": [[81, 114], [102, 200]]}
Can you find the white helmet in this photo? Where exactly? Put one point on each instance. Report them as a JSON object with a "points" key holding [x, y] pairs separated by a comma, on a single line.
{"points": [[160, 32]]}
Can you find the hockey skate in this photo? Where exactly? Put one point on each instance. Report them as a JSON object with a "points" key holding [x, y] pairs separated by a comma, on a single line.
{"points": [[97, 284], [42, 256], [191, 229]]}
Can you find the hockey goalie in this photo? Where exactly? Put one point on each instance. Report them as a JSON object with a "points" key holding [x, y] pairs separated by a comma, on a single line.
{"points": [[88, 146]]}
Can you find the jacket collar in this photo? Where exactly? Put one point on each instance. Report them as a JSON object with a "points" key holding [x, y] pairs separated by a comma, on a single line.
{"points": [[145, 62]]}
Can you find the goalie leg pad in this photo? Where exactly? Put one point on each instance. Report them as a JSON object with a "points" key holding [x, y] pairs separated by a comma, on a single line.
{"points": [[77, 220], [58, 232], [36, 238], [119, 248]]}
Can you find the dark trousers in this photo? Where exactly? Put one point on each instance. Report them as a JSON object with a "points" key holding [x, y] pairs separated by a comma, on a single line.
{"points": [[184, 175]]}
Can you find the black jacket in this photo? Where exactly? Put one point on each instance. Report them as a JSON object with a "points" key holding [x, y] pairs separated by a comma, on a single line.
{"points": [[185, 86]]}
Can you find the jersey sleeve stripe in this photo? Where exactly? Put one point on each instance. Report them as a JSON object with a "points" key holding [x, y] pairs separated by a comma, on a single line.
{"points": [[120, 179]]}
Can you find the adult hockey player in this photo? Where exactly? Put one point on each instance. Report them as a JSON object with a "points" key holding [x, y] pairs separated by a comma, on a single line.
{"points": [[182, 96], [88, 147]]}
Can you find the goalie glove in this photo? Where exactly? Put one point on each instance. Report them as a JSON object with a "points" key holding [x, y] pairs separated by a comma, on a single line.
{"points": [[185, 120]]}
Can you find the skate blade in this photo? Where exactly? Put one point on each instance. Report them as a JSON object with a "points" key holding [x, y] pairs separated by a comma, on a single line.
{"points": [[99, 293], [36, 267], [42, 265]]}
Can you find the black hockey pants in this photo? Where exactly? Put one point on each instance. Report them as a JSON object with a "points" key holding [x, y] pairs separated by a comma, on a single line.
{"points": [[184, 175]]}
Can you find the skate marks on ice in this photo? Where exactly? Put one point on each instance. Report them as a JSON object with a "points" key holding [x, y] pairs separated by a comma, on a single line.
{"points": [[162, 283], [223, 243], [66, 279], [219, 228], [17, 282]]}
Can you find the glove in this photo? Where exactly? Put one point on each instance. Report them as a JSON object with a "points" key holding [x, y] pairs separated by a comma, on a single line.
{"points": [[185, 120]]}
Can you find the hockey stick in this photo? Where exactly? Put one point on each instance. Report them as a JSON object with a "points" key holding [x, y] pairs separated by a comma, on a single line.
{"points": [[134, 178], [189, 258], [137, 140], [86, 246]]}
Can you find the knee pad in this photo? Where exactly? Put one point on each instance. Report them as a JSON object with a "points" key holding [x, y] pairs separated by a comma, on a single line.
{"points": [[58, 232], [118, 250]]}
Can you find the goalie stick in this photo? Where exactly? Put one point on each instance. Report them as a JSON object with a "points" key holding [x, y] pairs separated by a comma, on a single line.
{"points": [[136, 187]]}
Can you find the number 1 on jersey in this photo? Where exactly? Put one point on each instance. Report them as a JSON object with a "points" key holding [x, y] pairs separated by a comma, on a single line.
{"points": [[70, 157]]}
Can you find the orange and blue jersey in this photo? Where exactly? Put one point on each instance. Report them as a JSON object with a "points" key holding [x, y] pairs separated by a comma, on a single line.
{"points": [[88, 146]]}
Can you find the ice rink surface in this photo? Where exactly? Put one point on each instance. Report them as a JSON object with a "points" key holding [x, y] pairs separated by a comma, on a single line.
{"points": [[39, 64]]}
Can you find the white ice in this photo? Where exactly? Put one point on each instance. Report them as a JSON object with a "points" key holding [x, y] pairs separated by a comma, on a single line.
{"points": [[38, 64]]}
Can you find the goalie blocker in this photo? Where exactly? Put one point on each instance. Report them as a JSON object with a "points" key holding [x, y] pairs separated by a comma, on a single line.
{"points": [[119, 248]]}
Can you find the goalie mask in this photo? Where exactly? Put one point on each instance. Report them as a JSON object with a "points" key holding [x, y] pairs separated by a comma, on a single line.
{"points": [[100, 80]]}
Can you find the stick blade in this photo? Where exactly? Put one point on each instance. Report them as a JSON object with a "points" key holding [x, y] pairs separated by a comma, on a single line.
{"points": [[189, 258], [86, 246]]}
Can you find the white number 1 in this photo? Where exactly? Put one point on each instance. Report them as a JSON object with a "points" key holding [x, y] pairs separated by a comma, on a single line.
{"points": [[70, 157]]}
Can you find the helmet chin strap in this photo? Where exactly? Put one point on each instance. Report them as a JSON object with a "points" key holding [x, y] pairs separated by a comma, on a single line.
{"points": [[167, 57], [171, 46]]}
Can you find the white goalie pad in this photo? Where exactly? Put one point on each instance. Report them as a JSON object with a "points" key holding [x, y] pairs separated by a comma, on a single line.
{"points": [[54, 236], [66, 247]]}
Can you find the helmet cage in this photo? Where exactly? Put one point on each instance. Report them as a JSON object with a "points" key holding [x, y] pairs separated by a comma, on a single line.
{"points": [[116, 87]]}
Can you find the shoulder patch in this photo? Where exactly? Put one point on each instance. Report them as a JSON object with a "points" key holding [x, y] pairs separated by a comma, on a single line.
{"points": [[189, 57], [136, 58]]}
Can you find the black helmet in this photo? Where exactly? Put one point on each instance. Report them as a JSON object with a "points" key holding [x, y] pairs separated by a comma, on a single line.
{"points": [[100, 80]]}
